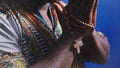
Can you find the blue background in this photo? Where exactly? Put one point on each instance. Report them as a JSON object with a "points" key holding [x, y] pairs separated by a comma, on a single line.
{"points": [[108, 18]]}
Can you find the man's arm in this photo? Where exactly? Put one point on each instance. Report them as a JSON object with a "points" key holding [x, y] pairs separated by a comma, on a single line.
{"points": [[61, 55], [96, 44], [96, 47]]}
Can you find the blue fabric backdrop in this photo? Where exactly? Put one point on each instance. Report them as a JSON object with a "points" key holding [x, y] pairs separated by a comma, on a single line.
{"points": [[108, 18]]}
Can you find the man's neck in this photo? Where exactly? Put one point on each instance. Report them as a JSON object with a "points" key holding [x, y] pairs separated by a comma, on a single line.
{"points": [[43, 8]]}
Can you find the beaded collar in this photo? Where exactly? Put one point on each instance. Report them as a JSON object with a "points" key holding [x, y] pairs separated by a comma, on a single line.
{"points": [[57, 31]]}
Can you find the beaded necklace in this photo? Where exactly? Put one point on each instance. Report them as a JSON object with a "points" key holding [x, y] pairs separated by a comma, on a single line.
{"points": [[57, 31]]}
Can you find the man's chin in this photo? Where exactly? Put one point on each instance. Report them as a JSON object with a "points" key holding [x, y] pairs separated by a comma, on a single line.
{"points": [[32, 4], [52, 0]]}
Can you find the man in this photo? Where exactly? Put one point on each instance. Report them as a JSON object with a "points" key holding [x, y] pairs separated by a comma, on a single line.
{"points": [[31, 35]]}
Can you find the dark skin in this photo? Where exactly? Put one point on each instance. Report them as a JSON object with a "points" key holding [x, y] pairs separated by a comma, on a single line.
{"points": [[96, 47]]}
